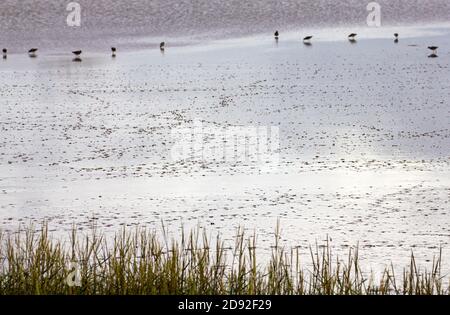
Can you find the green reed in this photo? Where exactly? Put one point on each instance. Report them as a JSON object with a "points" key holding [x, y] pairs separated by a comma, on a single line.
{"points": [[144, 262]]}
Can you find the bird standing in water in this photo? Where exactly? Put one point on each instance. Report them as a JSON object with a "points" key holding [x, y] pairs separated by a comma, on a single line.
{"points": [[433, 50], [396, 37], [307, 40], [162, 46], [77, 53], [276, 34], [113, 51], [32, 52], [352, 37], [5, 53]]}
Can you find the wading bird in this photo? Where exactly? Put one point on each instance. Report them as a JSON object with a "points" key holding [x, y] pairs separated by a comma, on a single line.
{"points": [[32, 52], [276, 34], [162, 46], [433, 49], [113, 51], [77, 53]]}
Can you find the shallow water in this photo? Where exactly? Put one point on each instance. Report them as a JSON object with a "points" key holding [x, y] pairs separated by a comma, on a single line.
{"points": [[364, 142]]}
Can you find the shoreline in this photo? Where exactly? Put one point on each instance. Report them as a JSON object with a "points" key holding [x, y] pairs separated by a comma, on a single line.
{"points": [[138, 43]]}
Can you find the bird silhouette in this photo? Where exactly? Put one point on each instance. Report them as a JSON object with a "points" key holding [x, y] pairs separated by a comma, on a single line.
{"points": [[433, 48], [433, 51], [32, 52], [396, 37]]}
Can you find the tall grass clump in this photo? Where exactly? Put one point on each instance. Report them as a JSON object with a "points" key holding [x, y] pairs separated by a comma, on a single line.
{"points": [[144, 262]]}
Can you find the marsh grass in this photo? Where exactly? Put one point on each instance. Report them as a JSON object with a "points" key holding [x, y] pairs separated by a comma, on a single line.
{"points": [[141, 262]]}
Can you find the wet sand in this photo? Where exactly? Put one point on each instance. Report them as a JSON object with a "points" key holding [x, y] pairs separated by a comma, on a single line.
{"points": [[364, 142]]}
